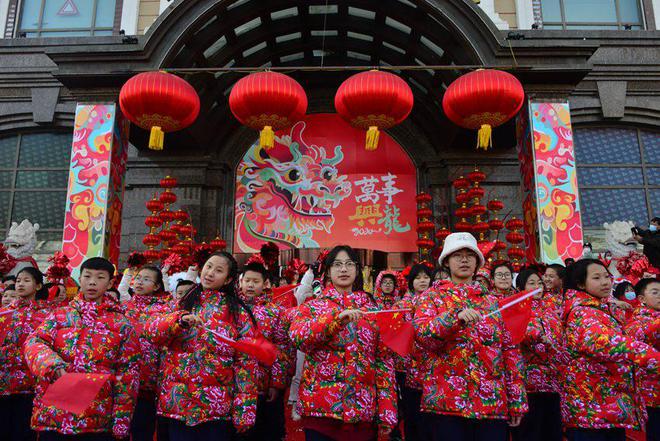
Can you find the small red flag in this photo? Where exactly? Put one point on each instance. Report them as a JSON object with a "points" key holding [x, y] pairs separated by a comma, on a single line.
{"points": [[395, 332], [74, 392], [284, 296], [517, 316], [259, 348]]}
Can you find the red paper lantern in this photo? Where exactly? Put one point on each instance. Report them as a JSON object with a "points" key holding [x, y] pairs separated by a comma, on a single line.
{"points": [[476, 193], [151, 255], [425, 244], [166, 216], [495, 224], [180, 248], [154, 205], [153, 222], [423, 198], [374, 101], [461, 183], [151, 240], [499, 245], [480, 227], [180, 215], [187, 230], [476, 176], [177, 228], [463, 212], [160, 102], [463, 226], [167, 197], [168, 182], [515, 237], [478, 210], [167, 236], [165, 253], [462, 198], [268, 101], [424, 213], [516, 253], [495, 205], [483, 99], [425, 226], [514, 224], [218, 243], [442, 234]]}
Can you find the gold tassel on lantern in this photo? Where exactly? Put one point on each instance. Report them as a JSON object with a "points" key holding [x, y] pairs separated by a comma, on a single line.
{"points": [[372, 139], [156, 138], [267, 138], [485, 137]]}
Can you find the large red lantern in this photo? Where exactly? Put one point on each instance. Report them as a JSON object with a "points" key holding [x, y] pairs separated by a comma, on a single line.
{"points": [[218, 243], [151, 255], [168, 182], [167, 197], [483, 99], [154, 205], [160, 102], [374, 101], [268, 101]]}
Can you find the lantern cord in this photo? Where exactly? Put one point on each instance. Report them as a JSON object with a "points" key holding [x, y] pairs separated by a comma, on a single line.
{"points": [[515, 62], [325, 21]]}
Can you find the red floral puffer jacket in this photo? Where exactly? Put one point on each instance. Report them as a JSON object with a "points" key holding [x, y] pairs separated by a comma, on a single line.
{"points": [[139, 310], [543, 348], [15, 377], [202, 378], [86, 337], [645, 326], [392, 301], [348, 374], [272, 325], [598, 387], [475, 371]]}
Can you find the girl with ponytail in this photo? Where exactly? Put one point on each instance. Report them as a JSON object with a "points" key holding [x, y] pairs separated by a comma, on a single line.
{"points": [[206, 387]]}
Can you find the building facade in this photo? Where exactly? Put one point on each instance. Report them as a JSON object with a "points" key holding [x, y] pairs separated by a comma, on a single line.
{"points": [[599, 56]]}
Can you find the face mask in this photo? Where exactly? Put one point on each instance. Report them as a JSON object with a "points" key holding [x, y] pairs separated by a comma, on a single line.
{"points": [[653, 228], [630, 295]]}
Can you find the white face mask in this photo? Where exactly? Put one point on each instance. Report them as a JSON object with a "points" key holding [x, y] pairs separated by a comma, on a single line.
{"points": [[630, 295], [653, 228]]}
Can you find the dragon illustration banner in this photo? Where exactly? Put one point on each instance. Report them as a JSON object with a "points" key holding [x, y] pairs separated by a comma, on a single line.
{"points": [[92, 221], [553, 223], [318, 187]]}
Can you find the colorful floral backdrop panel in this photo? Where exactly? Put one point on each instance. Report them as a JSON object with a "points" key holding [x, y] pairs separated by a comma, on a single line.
{"points": [[318, 187]]}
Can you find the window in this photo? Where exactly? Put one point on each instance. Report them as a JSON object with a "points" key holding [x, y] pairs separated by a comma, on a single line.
{"points": [[34, 170], [67, 18], [591, 14], [618, 174]]}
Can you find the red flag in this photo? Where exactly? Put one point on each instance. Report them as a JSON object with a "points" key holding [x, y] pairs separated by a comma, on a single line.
{"points": [[517, 316], [395, 332], [74, 392], [284, 296], [259, 348]]}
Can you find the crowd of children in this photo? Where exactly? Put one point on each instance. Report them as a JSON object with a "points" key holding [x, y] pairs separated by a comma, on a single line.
{"points": [[173, 366]]}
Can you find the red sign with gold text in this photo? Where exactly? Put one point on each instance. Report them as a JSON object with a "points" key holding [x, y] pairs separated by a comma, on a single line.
{"points": [[318, 187]]}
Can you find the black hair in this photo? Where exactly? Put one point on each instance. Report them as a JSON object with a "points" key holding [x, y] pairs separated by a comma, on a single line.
{"points": [[98, 264], [506, 265], [9, 279], [523, 277], [569, 261], [559, 269], [415, 271], [620, 290], [576, 274], [38, 277], [159, 276], [358, 285], [191, 298], [643, 284], [389, 276], [184, 282], [656, 220], [257, 268]]}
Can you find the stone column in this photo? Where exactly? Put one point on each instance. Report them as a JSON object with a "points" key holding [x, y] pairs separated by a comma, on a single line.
{"points": [[92, 220], [551, 205]]}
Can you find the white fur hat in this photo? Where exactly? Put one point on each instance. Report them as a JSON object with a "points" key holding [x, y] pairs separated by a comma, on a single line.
{"points": [[459, 241]]}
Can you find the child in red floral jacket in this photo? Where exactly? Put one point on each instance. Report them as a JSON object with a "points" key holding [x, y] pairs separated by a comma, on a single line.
{"points": [[474, 382], [17, 321], [273, 380], [347, 389], [645, 326], [599, 397], [89, 335], [149, 300], [207, 389]]}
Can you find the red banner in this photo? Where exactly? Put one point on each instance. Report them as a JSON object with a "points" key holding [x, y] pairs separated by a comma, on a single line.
{"points": [[318, 188]]}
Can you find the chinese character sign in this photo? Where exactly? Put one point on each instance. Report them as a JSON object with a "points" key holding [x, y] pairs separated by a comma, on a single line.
{"points": [[318, 188]]}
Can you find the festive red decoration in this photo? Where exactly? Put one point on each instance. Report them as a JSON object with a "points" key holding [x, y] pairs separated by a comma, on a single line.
{"points": [[461, 183], [180, 215], [154, 205], [168, 182], [425, 226], [476, 193], [74, 392], [153, 222], [463, 212], [166, 216], [424, 213], [187, 230], [167, 236], [495, 205], [268, 101], [495, 224], [442, 234], [476, 176], [151, 240], [462, 198], [295, 267], [218, 243], [151, 255], [167, 197], [180, 248], [515, 237], [374, 101], [136, 259], [480, 227], [59, 270], [160, 102], [514, 224], [271, 253], [478, 210], [499, 245], [516, 253], [463, 226], [395, 332], [423, 198], [425, 244], [483, 99], [517, 316]]}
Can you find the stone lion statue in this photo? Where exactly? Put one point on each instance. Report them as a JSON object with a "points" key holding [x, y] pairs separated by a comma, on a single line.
{"points": [[620, 241], [20, 243]]}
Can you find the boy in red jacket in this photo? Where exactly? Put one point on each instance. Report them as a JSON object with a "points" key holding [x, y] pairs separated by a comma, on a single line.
{"points": [[89, 335]]}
